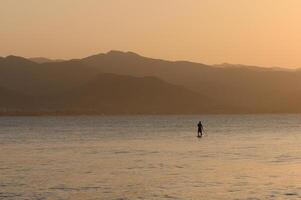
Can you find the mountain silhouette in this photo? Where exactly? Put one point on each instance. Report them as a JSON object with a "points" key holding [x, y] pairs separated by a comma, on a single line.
{"points": [[44, 60], [19, 74], [127, 83], [110, 93], [16, 102], [239, 88]]}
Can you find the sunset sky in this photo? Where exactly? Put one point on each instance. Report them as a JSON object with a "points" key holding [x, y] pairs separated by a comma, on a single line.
{"points": [[255, 32]]}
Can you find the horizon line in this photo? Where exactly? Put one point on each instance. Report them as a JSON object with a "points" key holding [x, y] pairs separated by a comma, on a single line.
{"points": [[163, 59]]}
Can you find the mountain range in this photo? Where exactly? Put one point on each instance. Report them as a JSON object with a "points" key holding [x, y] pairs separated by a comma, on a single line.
{"points": [[127, 83], [44, 60]]}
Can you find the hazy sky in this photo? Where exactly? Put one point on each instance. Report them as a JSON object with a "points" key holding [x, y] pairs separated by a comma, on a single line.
{"points": [[259, 32]]}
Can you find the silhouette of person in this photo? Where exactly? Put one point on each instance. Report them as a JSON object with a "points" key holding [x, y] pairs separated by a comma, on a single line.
{"points": [[200, 129]]}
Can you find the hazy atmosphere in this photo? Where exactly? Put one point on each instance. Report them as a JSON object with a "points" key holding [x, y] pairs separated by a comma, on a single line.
{"points": [[150, 99], [255, 32]]}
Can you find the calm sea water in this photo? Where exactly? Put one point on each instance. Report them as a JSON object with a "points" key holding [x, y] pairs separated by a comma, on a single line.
{"points": [[150, 157]]}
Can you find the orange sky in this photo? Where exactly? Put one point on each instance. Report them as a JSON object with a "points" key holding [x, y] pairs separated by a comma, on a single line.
{"points": [[257, 32]]}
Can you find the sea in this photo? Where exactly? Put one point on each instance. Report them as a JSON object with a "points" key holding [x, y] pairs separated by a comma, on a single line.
{"points": [[139, 157]]}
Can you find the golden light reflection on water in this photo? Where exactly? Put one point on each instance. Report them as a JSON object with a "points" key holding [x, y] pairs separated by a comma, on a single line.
{"points": [[236, 166]]}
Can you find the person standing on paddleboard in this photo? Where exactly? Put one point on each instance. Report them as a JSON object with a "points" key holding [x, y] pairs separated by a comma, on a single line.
{"points": [[200, 129]]}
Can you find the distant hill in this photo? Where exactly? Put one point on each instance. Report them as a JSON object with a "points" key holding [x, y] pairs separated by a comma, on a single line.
{"points": [[110, 93], [125, 82], [20, 74], [12, 101], [44, 60], [129, 63], [239, 88]]}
